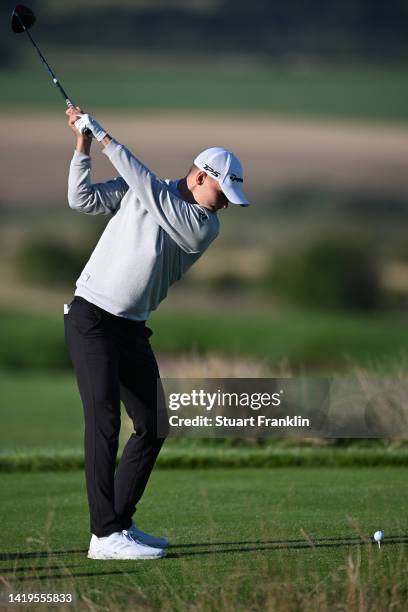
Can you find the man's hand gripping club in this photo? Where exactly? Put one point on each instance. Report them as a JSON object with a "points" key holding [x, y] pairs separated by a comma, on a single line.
{"points": [[80, 122]]}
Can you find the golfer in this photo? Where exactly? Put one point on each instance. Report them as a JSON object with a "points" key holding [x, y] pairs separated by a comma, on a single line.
{"points": [[158, 229]]}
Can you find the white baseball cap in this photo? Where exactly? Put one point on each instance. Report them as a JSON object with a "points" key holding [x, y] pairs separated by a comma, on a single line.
{"points": [[224, 167]]}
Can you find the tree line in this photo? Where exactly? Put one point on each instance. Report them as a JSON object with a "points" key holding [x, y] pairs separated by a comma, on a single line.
{"points": [[331, 29]]}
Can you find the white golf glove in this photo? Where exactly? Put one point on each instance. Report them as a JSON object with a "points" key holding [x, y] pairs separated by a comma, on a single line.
{"points": [[87, 122]]}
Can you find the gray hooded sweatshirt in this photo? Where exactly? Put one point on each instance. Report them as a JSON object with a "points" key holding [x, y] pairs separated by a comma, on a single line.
{"points": [[153, 237]]}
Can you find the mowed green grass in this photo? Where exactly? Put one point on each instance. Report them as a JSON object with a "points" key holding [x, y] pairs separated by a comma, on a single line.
{"points": [[375, 93], [41, 412], [325, 342], [238, 536]]}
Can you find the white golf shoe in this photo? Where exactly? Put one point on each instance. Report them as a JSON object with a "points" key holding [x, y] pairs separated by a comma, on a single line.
{"points": [[144, 538], [119, 545]]}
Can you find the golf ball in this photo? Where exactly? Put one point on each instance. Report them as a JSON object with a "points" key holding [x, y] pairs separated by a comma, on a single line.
{"points": [[379, 536]]}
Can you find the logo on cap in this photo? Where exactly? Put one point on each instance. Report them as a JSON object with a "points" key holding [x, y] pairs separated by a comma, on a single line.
{"points": [[208, 168], [234, 177]]}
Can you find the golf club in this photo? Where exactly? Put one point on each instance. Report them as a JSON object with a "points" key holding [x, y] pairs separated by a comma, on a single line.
{"points": [[22, 18]]}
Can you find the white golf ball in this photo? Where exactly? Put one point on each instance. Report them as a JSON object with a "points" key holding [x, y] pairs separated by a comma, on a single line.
{"points": [[379, 536]]}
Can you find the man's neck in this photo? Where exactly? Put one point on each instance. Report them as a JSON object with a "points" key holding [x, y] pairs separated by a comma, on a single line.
{"points": [[187, 195]]}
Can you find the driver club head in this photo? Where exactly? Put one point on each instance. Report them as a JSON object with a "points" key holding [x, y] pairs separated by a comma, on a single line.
{"points": [[22, 18]]}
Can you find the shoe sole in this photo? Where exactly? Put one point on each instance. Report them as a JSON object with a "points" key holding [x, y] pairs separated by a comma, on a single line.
{"points": [[106, 557]]}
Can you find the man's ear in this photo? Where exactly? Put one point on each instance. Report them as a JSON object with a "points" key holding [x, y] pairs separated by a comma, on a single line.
{"points": [[200, 177]]}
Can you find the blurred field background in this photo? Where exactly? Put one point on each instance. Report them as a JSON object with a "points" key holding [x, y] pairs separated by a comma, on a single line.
{"points": [[315, 273], [311, 278]]}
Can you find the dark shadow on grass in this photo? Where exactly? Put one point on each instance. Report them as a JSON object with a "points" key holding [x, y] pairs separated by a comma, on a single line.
{"points": [[293, 545], [10, 570], [262, 546], [285, 543], [288, 543], [37, 555]]}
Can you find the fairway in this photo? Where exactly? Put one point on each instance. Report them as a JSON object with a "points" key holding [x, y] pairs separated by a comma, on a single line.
{"points": [[323, 342], [362, 92], [249, 533]]}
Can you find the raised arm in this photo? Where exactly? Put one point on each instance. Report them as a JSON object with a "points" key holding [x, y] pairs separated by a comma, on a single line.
{"points": [[188, 224], [92, 198], [83, 195], [191, 227]]}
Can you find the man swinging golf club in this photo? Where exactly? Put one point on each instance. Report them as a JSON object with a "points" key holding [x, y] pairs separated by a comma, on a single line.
{"points": [[158, 229]]}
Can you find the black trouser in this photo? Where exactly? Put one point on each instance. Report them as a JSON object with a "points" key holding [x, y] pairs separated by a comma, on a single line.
{"points": [[113, 361]]}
